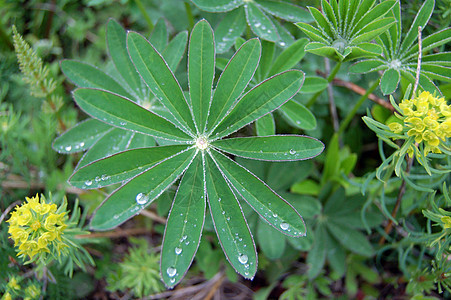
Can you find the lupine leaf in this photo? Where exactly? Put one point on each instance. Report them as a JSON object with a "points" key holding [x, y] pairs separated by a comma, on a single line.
{"points": [[313, 33], [327, 9], [267, 56], [260, 24], [85, 75], [372, 30], [229, 29], [184, 225], [286, 11], [160, 79], [313, 84], [350, 238], [159, 35], [375, 13], [443, 58], [270, 206], [121, 166], [428, 43], [298, 115], [80, 137], [173, 53], [272, 148], [421, 19], [140, 191], [366, 66], [321, 21], [236, 76], [116, 39], [317, 255], [217, 5], [389, 81], [230, 225], [201, 68], [262, 99], [270, 241], [364, 50], [289, 57], [120, 112]]}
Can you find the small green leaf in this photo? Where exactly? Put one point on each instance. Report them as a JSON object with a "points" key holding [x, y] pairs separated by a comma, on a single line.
{"points": [[321, 22], [230, 225], [159, 35], [217, 5], [201, 68], [229, 29], [259, 22], [120, 112], [298, 115], [116, 39], [262, 99], [265, 125], [329, 13], [140, 191], [268, 49], [389, 81], [80, 137], [350, 238], [122, 166], [286, 11], [317, 255], [321, 50], [375, 13], [269, 205], [367, 66], [289, 57], [432, 41], [313, 33], [372, 30], [270, 241], [272, 148], [364, 50], [184, 225], [236, 76], [160, 79], [313, 84], [421, 19], [173, 53], [85, 75]]}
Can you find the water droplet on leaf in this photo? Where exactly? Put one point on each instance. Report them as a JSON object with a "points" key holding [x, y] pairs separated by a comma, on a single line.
{"points": [[171, 271]]}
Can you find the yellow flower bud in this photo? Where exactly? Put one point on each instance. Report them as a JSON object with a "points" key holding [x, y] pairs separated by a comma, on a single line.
{"points": [[446, 220], [395, 127]]}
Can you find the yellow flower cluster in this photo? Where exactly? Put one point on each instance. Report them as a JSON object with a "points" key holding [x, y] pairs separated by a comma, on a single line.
{"points": [[427, 119], [35, 226]]}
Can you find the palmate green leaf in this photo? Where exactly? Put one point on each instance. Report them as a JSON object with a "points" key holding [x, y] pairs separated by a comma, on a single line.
{"points": [[285, 37], [329, 13], [377, 12], [442, 59], [298, 115], [372, 30], [259, 22], [322, 22], [159, 35], [317, 255], [367, 66], [270, 206], [313, 33], [121, 166], [184, 225], [272, 148], [265, 125], [229, 29], [364, 50], [270, 241], [350, 238], [313, 84], [85, 75], [201, 69], [430, 42], [116, 40], [160, 79], [121, 112], [230, 225], [289, 57], [267, 56], [389, 81], [217, 5], [80, 137], [140, 191], [261, 100], [236, 76], [173, 53]]}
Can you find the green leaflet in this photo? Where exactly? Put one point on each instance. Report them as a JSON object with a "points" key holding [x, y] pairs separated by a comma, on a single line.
{"points": [[218, 5], [265, 125], [298, 115], [160, 79], [284, 10], [120, 112], [184, 225], [201, 67], [262, 99], [121, 166], [270, 241], [175, 50], [289, 57], [229, 29], [140, 191], [272, 148], [260, 24], [389, 81], [270, 206], [230, 224], [80, 137], [236, 76]]}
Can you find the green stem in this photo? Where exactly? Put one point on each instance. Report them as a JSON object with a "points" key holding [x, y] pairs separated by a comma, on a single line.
{"points": [[189, 14], [329, 79], [145, 14], [359, 103]]}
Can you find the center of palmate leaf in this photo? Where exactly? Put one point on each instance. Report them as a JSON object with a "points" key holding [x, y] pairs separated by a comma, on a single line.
{"points": [[202, 143], [340, 44], [395, 64]]}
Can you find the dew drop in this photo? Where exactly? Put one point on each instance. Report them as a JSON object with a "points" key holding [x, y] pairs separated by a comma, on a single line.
{"points": [[228, 219], [274, 215], [292, 151], [116, 217], [243, 258], [141, 199], [82, 144], [88, 182], [68, 148], [178, 250], [282, 44], [246, 273], [284, 226], [172, 280], [171, 271]]}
